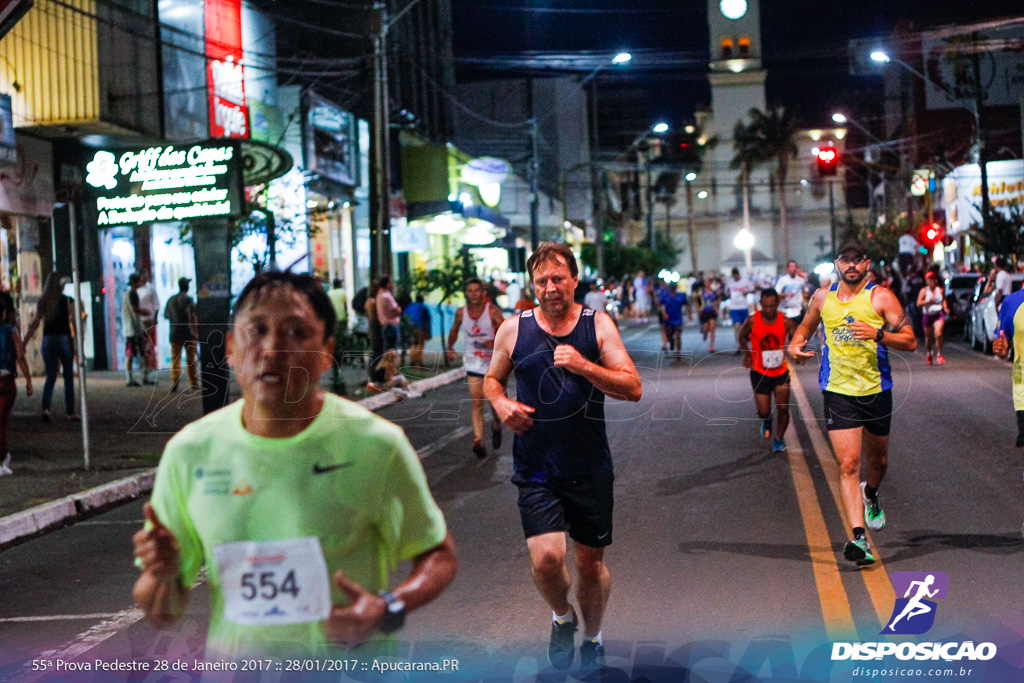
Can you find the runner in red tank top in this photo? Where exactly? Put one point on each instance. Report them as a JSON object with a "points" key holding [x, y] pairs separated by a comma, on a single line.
{"points": [[763, 341]]}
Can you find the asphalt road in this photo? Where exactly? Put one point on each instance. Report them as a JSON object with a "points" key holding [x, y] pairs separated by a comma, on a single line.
{"points": [[726, 558]]}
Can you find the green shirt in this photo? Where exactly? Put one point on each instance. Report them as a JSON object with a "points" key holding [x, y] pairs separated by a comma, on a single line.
{"points": [[351, 479]]}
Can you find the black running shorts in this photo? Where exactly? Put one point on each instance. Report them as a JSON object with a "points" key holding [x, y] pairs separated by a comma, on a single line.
{"points": [[1020, 429], [872, 412], [582, 507], [766, 384]]}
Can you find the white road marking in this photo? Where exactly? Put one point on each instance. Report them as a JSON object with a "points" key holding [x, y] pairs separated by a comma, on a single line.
{"points": [[60, 617], [433, 448]]}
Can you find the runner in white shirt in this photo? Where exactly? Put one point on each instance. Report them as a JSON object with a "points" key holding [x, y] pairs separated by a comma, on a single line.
{"points": [[595, 298], [739, 286], [791, 288], [481, 319]]}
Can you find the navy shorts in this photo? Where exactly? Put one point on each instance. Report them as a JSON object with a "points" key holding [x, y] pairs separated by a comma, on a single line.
{"points": [[739, 315], [582, 507], [872, 412]]}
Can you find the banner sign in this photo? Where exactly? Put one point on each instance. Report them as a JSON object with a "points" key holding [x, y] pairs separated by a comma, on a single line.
{"points": [[165, 183], [229, 115]]}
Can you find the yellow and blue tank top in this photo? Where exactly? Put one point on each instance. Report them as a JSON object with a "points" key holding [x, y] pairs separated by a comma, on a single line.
{"points": [[850, 366], [1011, 323]]}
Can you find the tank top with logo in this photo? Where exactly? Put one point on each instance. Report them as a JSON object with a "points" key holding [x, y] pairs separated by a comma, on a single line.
{"points": [[768, 346], [850, 366], [479, 331]]}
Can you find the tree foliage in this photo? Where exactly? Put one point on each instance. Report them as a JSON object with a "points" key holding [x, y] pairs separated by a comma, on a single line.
{"points": [[1003, 232], [448, 278], [620, 260]]}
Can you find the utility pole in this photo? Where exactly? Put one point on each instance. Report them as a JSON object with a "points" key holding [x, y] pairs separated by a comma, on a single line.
{"points": [[534, 183], [650, 198], [380, 210], [596, 174], [690, 226], [979, 99], [832, 215]]}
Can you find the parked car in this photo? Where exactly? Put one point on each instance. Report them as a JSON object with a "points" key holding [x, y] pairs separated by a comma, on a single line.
{"points": [[985, 318], [960, 289]]}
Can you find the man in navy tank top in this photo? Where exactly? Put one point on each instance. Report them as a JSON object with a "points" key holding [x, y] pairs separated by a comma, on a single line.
{"points": [[566, 359]]}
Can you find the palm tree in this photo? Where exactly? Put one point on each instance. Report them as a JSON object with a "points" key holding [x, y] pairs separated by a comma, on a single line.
{"points": [[747, 155], [775, 132], [694, 163]]}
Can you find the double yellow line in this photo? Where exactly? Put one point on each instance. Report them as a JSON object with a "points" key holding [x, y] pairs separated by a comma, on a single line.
{"points": [[835, 603]]}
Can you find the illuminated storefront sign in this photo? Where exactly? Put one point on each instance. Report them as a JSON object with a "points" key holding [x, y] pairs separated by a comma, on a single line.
{"points": [[165, 183], [229, 114]]}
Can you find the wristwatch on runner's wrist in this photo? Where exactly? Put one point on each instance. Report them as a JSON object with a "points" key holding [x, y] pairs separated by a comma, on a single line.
{"points": [[394, 618], [880, 334]]}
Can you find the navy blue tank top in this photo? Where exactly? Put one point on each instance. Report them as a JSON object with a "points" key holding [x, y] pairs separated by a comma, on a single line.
{"points": [[567, 439]]}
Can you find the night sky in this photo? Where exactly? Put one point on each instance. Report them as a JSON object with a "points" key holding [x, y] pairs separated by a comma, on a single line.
{"points": [[804, 44]]}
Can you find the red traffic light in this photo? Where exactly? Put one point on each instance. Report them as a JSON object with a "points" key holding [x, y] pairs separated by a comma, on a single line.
{"points": [[828, 161], [931, 234]]}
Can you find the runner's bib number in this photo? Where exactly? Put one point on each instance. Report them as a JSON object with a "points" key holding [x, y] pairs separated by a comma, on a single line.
{"points": [[274, 582], [772, 359]]}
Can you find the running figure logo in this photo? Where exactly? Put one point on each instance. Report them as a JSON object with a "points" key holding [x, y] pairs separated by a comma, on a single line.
{"points": [[914, 613]]}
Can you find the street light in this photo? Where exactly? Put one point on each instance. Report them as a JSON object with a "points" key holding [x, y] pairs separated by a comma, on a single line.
{"points": [[534, 174], [691, 176], [745, 242], [883, 57], [839, 118], [660, 128]]}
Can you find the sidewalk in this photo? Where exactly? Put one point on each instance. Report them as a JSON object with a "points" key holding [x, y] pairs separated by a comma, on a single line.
{"points": [[128, 428]]}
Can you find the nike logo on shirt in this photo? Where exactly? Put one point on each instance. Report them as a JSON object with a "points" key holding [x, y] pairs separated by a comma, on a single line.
{"points": [[323, 469]]}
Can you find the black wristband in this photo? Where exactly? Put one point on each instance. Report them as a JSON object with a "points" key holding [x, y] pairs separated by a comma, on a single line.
{"points": [[880, 335], [394, 618]]}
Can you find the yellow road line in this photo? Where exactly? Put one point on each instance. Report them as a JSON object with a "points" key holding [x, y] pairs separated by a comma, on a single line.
{"points": [[877, 578], [835, 605]]}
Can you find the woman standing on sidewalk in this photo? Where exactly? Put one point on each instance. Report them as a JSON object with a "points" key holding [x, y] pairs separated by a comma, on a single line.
{"points": [[12, 357], [56, 313]]}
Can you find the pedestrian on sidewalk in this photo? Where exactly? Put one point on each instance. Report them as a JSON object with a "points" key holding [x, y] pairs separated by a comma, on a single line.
{"points": [[12, 357], [314, 496], [180, 311], [566, 358], [376, 335], [56, 313], [150, 305], [135, 339], [389, 313], [419, 314]]}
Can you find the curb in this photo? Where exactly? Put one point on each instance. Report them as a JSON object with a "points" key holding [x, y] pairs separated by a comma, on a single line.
{"points": [[57, 512]]}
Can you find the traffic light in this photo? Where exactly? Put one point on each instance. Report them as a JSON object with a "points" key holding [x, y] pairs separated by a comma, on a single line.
{"points": [[828, 161], [931, 234], [682, 148]]}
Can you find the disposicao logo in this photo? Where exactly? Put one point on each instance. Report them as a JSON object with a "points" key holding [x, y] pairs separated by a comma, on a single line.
{"points": [[914, 614]]}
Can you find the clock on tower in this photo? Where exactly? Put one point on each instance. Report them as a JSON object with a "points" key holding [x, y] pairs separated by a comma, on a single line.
{"points": [[733, 9]]}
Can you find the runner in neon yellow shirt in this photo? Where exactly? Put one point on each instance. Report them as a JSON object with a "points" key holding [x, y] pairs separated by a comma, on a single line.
{"points": [[297, 502]]}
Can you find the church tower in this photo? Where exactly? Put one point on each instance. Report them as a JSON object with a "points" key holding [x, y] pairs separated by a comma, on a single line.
{"points": [[737, 85]]}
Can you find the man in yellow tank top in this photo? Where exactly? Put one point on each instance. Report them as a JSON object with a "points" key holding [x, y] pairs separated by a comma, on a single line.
{"points": [[856, 380]]}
